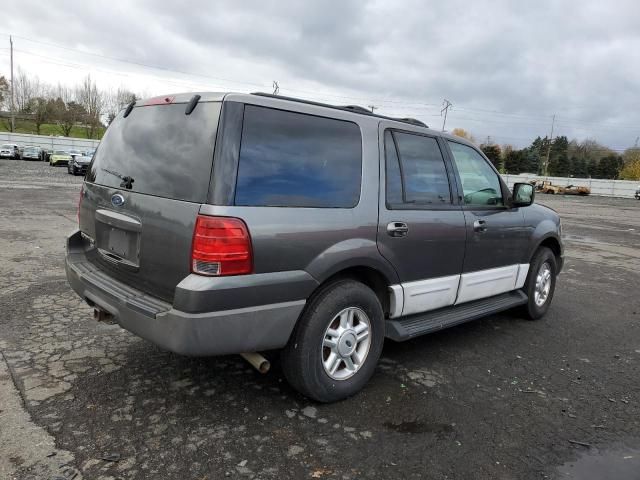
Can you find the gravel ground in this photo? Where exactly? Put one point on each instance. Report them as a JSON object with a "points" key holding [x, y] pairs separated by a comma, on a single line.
{"points": [[499, 398]]}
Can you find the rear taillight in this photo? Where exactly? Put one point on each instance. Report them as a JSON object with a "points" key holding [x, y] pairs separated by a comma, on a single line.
{"points": [[221, 246], [80, 203]]}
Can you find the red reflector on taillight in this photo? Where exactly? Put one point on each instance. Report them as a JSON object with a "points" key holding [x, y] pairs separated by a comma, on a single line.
{"points": [[221, 246]]}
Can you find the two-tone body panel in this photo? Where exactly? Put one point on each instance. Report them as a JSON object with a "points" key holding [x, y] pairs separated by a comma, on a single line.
{"points": [[138, 214]]}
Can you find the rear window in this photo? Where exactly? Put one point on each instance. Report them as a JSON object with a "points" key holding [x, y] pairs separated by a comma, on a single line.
{"points": [[291, 159], [158, 150]]}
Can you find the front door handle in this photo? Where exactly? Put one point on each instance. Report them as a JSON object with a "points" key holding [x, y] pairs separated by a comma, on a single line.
{"points": [[480, 226], [397, 229]]}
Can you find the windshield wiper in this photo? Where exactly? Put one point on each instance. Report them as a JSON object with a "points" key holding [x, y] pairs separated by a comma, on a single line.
{"points": [[127, 182]]}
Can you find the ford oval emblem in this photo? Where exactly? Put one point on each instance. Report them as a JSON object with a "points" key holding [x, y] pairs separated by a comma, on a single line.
{"points": [[117, 200]]}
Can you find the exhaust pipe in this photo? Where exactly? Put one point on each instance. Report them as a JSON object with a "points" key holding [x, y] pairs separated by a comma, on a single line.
{"points": [[102, 316], [257, 361]]}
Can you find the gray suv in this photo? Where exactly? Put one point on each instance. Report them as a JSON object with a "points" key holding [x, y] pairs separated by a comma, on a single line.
{"points": [[215, 224]]}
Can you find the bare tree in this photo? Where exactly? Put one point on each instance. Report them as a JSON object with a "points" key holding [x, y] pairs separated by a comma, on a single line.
{"points": [[26, 89], [116, 101], [4, 91], [93, 101]]}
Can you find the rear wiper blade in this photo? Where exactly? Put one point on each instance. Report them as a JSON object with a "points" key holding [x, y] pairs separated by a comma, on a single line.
{"points": [[127, 182]]}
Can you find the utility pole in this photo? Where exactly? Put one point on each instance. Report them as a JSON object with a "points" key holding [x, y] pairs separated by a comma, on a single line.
{"points": [[372, 107], [545, 171], [446, 105], [13, 115], [276, 88]]}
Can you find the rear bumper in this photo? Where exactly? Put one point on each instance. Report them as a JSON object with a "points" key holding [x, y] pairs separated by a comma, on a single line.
{"points": [[228, 331]]}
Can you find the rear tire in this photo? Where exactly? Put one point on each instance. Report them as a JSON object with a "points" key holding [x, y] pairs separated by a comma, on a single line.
{"points": [[336, 344], [541, 283]]}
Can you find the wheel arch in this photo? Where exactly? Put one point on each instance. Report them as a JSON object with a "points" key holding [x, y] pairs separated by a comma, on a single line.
{"points": [[552, 242], [368, 275]]}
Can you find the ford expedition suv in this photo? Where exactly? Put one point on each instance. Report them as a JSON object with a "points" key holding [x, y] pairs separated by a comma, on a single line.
{"points": [[213, 224]]}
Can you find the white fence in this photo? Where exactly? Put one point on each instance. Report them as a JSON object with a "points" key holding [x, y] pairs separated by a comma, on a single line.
{"points": [[605, 188], [47, 142]]}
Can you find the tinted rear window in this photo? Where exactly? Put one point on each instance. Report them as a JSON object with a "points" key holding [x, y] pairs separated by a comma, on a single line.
{"points": [[164, 151], [295, 160]]}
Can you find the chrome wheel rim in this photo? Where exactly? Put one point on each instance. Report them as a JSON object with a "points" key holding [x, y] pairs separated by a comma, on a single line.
{"points": [[543, 284], [346, 343]]}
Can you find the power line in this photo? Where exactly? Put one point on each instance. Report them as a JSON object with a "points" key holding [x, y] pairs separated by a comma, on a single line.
{"points": [[546, 163], [13, 108], [412, 104], [446, 105]]}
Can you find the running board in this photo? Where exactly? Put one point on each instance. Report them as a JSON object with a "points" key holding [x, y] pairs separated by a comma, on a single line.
{"points": [[405, 328]]}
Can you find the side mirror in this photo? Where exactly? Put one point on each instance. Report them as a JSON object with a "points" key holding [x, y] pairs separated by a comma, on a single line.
{"points": [[523, 195]]}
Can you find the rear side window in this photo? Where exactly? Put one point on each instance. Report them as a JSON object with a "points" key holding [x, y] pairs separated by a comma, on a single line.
{"points": [[291, 159], [416, 173], [161, 150]]}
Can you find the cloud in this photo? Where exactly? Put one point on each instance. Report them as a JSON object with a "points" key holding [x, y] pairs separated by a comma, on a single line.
{"points": [[506, 66]]}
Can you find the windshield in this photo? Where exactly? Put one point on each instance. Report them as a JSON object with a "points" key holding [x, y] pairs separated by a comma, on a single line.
{"points": [[30, 149], [158, 150], [6, 145], [60, 152]]}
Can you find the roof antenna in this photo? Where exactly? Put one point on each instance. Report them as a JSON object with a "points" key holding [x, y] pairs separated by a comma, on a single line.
{"points": [[276, 88]]}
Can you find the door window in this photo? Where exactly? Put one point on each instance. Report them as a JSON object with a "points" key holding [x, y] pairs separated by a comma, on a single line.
{"points": [[480, 183], [415, 171]]}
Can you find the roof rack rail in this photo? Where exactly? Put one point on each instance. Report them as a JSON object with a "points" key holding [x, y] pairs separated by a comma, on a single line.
{"points": [[348, 108], [413, 121], [358, 108]]}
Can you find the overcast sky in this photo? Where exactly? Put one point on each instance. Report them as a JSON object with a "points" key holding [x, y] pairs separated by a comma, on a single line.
{"points": [[506, 66]]}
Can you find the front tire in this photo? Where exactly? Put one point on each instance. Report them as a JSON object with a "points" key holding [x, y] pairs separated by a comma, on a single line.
{"points": [[335, 347], [541, 283]]}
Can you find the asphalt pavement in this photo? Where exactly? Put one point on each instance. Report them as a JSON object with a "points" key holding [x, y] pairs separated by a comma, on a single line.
{"points": [[498, 398]]}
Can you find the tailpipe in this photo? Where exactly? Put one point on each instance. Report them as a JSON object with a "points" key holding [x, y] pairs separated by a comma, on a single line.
{"points": [[257, 361], [102, 316]]}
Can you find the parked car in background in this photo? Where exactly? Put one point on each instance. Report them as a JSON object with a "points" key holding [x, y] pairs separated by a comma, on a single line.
{"points": [[59, 157], [638, 193], [79, 163], [324, 231], [10, 150], [74, 153], [31, 152]]}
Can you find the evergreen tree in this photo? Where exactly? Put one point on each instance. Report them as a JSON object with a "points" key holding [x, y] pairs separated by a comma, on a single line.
{"points": [[579, 167], [610, 166], [513, 162], [493, 153], [559, 165]]}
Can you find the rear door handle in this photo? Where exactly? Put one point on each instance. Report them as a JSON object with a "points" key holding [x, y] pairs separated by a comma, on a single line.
{"points": [[397, 229], [480, 226]]}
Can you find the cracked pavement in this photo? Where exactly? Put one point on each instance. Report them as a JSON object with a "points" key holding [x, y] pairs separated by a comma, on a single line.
{"points": [[497, 398]]}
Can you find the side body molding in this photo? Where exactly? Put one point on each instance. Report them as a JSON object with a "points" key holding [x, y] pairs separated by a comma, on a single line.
{"points": [[424, 295]]}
